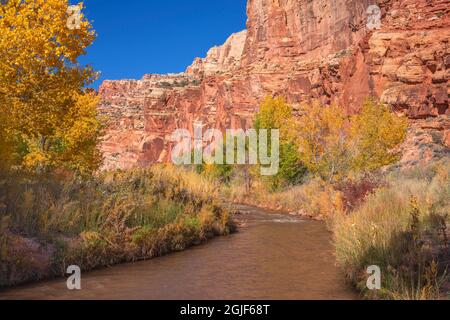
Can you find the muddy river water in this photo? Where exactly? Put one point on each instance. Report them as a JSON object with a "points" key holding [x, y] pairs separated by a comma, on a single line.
{"points": [[273, 256]]}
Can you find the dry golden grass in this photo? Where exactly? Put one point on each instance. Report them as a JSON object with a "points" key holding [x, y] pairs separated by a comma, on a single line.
{"points": [[315, 198], [399, 222], [402, 229], [49, 222]]}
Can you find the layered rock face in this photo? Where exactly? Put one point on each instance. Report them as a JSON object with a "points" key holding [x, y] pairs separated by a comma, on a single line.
{"points": [[302, 50], [221, 59]]}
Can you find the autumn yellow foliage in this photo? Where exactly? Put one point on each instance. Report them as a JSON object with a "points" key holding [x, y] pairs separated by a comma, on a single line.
{"points": [[375, 135], [322, 140], [276, 113], [334, 145], [49, 119]]}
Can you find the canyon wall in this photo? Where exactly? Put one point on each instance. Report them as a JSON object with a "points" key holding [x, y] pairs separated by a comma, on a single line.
{"points": [[302, 50]]}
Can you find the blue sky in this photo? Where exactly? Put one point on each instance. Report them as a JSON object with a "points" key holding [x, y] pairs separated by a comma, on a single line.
{"points": [[136, 37]]}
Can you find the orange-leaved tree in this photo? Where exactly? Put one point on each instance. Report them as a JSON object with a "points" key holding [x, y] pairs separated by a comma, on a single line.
{"points": [[50, 119]]}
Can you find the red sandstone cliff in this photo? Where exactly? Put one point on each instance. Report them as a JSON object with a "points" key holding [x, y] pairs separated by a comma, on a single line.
{"points": [[303, 50]]}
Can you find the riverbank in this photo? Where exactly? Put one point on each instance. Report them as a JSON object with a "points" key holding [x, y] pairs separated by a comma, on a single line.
{"points": [[314, 200], [396, 220], [273, 256], [51, 222]]}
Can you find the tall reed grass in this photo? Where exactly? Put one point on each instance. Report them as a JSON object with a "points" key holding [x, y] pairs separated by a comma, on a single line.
{"points": [[402, 228], [50, 222]]}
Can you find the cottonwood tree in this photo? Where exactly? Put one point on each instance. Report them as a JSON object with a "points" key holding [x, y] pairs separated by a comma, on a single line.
{"points": [[375, 135], [322, 138], [48, 118], [333, 145], [275, 113]]}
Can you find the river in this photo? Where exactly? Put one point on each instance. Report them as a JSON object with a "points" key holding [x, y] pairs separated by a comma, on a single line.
{"points": [[273, 256]]}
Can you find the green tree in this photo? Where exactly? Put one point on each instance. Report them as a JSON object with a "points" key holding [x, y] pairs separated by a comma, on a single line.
{"points": [[275, 113]]}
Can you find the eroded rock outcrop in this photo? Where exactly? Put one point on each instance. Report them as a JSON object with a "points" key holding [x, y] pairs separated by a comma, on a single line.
{"points": [[302, 50], [220, 59]]}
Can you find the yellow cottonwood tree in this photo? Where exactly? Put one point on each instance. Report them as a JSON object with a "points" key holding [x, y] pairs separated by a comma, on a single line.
{"points": [[375, 134], [275, 113], [6, 145], [333, 145], [322, 138], [41, 85], [79, 134]]}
